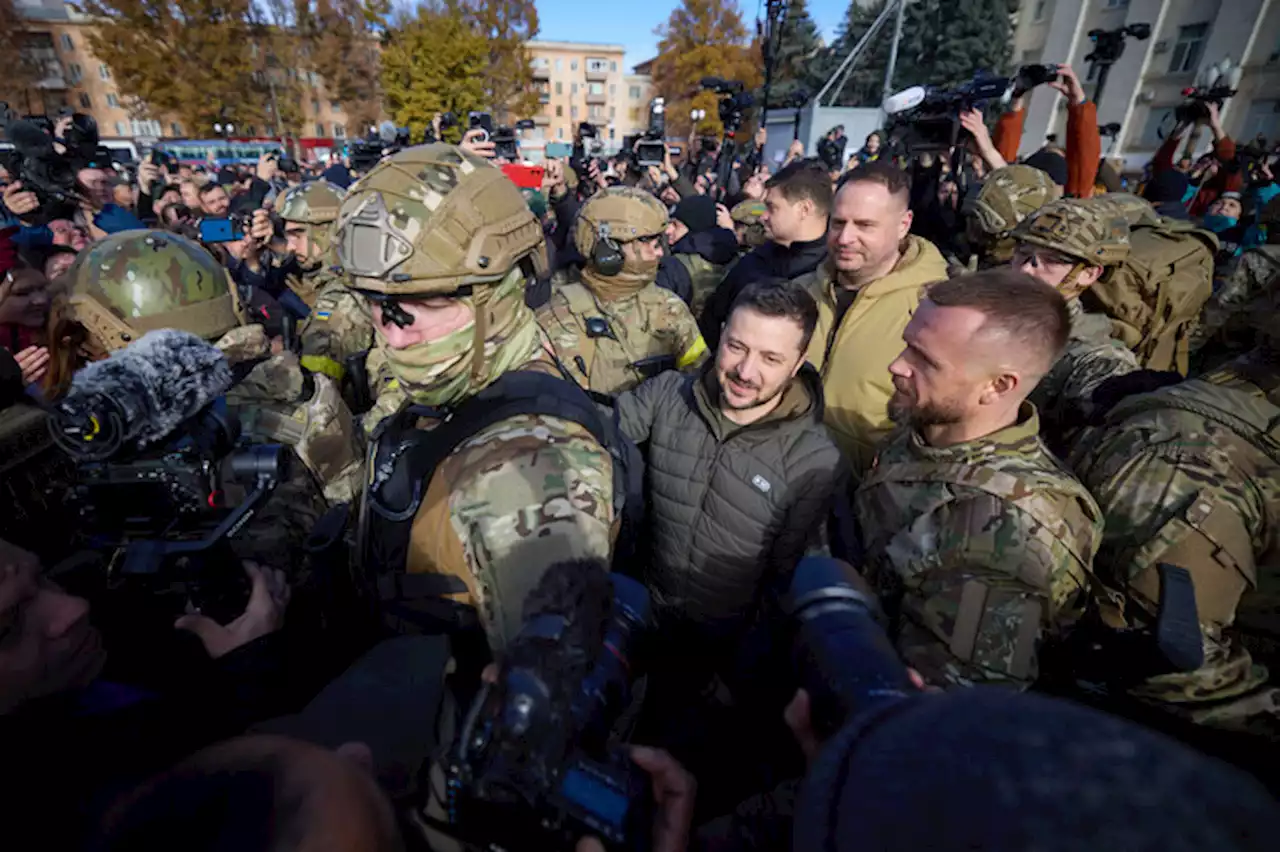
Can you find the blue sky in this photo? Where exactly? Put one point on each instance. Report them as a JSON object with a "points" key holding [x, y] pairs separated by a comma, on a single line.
{"points": [[632, 23]]}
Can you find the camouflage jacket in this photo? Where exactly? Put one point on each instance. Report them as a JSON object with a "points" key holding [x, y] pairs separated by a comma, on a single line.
{"points": [[1190, 474], [513, 499], [308, 285], [1227, 327], [704, 277], [1064, 397], [338, 328], [641, 335], [978, 550]]}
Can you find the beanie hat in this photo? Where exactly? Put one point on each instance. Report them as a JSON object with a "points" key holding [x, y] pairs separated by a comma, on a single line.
{"points": [[1165, 186], [986, 769], [1055, 165], [697, 212]]}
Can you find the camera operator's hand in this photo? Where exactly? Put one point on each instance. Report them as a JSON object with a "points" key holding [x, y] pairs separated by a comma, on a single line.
{"points": [[259, 235], [593, 172], [471, 142], [148, 176], [972, 121], [268, 165], [657, 178], [674, 792], [1069, 85], [762, 136], [724, 218], [19, 201], [553, 179], [668, 166], [34, 363], [1215, 121], [60, 128], [795, 151], [263, 615]]}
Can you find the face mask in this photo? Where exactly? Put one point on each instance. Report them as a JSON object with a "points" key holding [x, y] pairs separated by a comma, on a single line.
{"points": [[1218, 223]]}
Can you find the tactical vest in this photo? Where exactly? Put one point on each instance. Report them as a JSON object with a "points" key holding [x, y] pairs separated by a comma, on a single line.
{"points": [[1027, 494], [704, 276], [403, 459], [612, 355]]}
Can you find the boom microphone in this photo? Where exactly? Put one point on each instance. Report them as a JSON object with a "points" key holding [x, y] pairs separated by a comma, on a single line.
{"points": [[387, 133], [905, 100], [139, 395]]}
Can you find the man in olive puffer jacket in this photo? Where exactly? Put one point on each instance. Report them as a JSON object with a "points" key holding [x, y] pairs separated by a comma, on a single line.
{"points": [[740, 472]]}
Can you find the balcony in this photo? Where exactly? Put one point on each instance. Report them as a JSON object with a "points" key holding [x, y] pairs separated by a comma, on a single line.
{"points": [[542, 72], [542, 120], [593, 98], [597, 75], [52, 77], [544, 98]]}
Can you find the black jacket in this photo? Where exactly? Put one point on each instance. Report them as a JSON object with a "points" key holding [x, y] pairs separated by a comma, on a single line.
{"points": [[717, 246], [768, 261]]}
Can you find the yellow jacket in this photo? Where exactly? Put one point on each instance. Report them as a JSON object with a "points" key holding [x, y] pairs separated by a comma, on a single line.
{"points": [[854, 358]]}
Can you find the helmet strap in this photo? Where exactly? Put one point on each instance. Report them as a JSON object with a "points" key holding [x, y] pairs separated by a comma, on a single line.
{"points": [[1068, 287]]}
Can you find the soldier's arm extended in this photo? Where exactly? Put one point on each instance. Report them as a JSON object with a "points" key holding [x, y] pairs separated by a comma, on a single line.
{"points": [[690, 349], [527, 493], [994, 582], [337, 328]]}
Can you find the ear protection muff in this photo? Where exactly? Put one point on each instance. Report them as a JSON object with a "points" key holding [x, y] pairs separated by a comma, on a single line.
{"points": [[606, 254]]}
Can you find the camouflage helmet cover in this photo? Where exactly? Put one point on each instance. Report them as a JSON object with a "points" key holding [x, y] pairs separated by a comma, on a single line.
{"points": [[432, 219], [1009, 195], [132, 282], [1092, 234], [624, 212], [313, 203], [750, 215]]}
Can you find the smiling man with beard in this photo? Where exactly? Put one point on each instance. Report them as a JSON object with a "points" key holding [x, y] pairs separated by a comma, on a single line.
{"points": [[978, 540], [866, 292]]}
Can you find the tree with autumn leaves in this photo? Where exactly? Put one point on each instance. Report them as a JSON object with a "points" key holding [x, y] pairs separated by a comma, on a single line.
{"points": [[702, 38]]}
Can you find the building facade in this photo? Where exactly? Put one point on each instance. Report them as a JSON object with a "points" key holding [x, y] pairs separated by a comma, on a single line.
{"points": [[584, 82], [1145, 86], [57, 37]]}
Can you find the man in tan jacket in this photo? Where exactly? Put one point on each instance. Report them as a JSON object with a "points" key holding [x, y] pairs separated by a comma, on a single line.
{"points": [[866, 293]]}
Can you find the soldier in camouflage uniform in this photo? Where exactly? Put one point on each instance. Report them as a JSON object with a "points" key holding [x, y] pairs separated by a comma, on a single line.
{"points": [[1226, 326], [439, 245], [308, 211], [614, 327], [135, 281], [1069, 245], [1190, 475], [748, 224], [1008, 195], [978, 540]]}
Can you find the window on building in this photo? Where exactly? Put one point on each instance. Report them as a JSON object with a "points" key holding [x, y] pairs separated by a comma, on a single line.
{"points": [[635, 93], [76, 73], [573, 89], [595, 88], [1156, 119], [599, 66], [559, 132], [559, 88], [1188, 47], [573, 113], [1262, 118], [613, 113], [319, 129], [611, 132], [1041, 7], [67, 43], [315, 105], [85, 103], [595, 111], [613, 90], [613, 66], [176, 128], [336, 106], [119, 128], [559, 111], [113, 101], [104, 72], [559, 65], [339, 131], [573, 65]]}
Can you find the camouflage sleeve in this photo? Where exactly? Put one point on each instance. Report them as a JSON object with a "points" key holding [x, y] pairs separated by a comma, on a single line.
{"points": [[1250, 276], [338, 328], [527, 493], [992, 584], [565, 341], [688, 346], [1067, 389]]}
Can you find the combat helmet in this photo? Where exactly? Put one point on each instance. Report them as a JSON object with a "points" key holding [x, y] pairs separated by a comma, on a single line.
{"points": [[750, 214], [618, 215], [1009, 195], [133, 282], [314, 204], [1092, 234], [434, 220]]}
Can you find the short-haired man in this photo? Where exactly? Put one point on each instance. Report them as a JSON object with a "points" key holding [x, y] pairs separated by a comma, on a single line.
{"points": [[740, 469], [978, 540], [214, 200], [866, 293], [797, 202]]}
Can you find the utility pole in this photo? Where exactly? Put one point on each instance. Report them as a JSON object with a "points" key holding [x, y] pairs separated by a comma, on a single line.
{"points": [[893, 51]]}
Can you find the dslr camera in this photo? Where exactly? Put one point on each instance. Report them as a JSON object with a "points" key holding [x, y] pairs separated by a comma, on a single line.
{"points": [[37, 164], [505, 143], [734, 102], [536, 765]]}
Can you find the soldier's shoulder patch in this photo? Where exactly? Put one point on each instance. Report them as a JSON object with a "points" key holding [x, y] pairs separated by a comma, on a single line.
{"points": [[322, 315]]}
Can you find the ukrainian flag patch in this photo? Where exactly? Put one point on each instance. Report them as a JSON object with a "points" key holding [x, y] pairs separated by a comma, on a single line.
{"points": [[322, 315]]}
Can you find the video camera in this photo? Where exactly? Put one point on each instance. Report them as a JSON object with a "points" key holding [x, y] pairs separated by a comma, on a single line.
{"points": [[1217, 85], [382, 142], [734, 102], [447, 120], [535, 765], [651, 148], [505, 143], [37, 164], [928, 119]]}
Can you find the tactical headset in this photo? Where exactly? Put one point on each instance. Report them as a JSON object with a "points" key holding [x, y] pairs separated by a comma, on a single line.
{"points": [[606, 254]]}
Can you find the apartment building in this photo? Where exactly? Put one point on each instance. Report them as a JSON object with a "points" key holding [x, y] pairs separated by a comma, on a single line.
{"points": [[585, 82], [1146, 84], [57, 38]]}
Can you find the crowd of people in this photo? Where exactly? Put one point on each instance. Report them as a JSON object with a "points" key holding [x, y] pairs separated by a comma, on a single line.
{"points": [[1031, 414]]}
